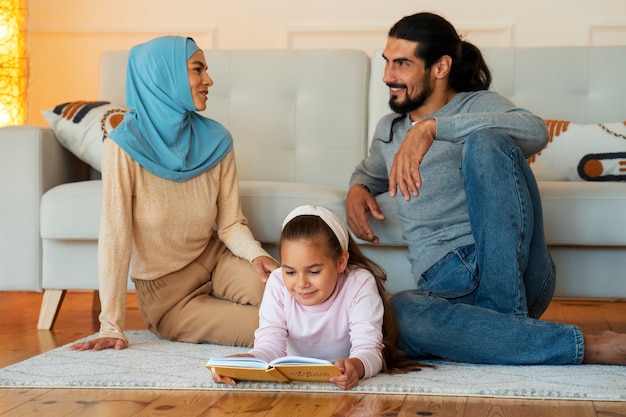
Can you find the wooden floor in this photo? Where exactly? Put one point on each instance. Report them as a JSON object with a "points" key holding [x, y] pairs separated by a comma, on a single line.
{"points": [[20, 340]]}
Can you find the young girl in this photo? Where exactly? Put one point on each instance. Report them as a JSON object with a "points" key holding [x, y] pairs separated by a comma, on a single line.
{"points": [[326, 301]]}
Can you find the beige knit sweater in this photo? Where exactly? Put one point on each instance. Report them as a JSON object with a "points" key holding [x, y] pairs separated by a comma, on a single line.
{"points": [[161, 225]]}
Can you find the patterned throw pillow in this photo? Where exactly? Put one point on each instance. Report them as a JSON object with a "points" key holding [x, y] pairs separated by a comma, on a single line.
{"points": [[81, 126], [582, 152]]}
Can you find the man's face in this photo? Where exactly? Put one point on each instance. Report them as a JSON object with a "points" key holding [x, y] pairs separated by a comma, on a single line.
{"points": [[406, 76]]}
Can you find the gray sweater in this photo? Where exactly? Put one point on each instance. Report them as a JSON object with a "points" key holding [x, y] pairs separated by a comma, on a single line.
{"points": [[437, 221]]}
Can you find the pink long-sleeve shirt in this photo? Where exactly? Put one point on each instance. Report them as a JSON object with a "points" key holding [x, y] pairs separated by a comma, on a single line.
{"points": [[347, 325]]}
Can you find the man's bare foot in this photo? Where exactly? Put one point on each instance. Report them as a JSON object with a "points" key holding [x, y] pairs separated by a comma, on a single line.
{"points": [[608, 348]]}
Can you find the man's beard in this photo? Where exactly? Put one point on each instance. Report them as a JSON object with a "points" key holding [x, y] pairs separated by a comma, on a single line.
{"points": [[411, 103]]}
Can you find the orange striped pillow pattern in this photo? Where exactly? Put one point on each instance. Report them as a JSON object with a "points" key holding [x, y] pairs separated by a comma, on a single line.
{"points": [[81, 126], [582, 152]]}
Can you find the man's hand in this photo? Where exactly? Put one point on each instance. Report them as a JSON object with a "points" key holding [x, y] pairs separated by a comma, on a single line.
{"points": [[358, 202], [405, 171], [264, 265]]}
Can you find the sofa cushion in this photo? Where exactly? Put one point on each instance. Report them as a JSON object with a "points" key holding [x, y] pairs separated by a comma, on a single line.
{"points": [[266, 204], [81, 126], [308, 113], [574, 214], [582, 152], [584, 213], [72, 211]]}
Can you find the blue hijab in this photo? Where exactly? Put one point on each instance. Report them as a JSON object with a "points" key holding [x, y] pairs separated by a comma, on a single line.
{"points": [[162, 130]]}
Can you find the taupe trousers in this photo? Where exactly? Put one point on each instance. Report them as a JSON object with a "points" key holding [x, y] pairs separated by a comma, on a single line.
{"points": [[214, 299]]}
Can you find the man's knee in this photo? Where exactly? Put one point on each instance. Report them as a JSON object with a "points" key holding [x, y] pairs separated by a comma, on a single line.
{"points": [[489, 149], [483, 142], [407, 305], [414, 326]]}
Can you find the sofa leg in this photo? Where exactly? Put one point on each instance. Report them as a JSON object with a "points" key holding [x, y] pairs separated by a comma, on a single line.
{"points": [[50, 306]]}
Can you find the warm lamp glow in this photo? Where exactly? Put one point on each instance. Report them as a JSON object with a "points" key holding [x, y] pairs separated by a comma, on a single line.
{"points": [[13, 70]]}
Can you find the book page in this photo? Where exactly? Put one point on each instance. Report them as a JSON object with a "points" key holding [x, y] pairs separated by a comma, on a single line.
{"points": [[238, 361], [299, 360]]}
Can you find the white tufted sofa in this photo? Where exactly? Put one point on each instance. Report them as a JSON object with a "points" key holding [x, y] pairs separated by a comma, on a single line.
{"points": [[300, 121]]}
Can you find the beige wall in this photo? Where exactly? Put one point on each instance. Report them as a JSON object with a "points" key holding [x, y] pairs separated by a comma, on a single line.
{"points": [[66, 37]]}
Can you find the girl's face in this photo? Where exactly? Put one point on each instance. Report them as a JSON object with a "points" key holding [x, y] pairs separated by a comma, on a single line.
{"points": [[309, 273], [199, 80]]}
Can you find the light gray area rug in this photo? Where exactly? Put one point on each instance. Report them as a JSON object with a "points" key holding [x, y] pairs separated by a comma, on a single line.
{"points": [[153, 363]]}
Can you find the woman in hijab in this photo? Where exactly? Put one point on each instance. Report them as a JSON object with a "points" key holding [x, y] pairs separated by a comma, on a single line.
{"points": [[169, 177]]}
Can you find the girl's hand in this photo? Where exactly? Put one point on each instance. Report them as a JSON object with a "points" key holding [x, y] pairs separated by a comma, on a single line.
{"points": [[226, 379], [352, 371], [222, 379], [99, 344]]}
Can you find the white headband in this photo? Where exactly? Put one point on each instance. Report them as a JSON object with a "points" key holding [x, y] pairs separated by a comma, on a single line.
{"points": [[330, 218]]}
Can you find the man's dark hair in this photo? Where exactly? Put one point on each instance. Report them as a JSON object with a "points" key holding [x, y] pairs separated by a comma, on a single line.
{"points": [[436, 37]]}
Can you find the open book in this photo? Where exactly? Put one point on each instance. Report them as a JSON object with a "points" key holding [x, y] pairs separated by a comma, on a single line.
{"points": [[285, 369]]}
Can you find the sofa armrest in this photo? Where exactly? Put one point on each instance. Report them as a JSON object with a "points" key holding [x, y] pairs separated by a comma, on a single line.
{"points": [[31, 162]]}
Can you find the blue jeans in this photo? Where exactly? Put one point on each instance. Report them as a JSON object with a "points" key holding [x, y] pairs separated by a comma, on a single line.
{"points": [[481, 303]]}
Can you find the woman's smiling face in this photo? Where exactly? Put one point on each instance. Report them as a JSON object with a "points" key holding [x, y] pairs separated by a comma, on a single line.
{"points": [[199, 80]]}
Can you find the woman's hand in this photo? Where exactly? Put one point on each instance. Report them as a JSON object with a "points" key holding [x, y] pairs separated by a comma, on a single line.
{"points": [[352, 371], [264, 265], [100, 344]]}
